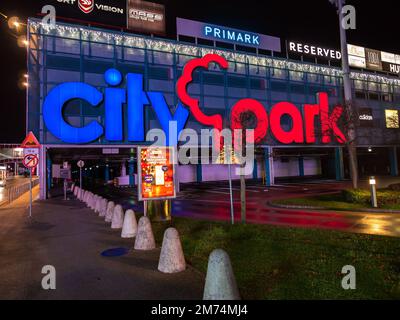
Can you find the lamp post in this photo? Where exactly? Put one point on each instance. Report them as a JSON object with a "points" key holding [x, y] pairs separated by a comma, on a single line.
{"points": [[372, 183], [351, 132]]}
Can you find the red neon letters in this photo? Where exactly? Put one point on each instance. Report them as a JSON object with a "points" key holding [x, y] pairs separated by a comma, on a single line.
{"points": [[187, 77], [300, 131]]}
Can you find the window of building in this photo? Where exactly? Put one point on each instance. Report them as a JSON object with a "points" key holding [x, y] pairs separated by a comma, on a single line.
{"points": [[360, 94], [279, 86], [387, 97], [213, 79], [373, 96], [392, 119], [237, 82]]}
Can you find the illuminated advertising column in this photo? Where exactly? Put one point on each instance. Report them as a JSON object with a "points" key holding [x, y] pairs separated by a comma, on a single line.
{"points": [[156, 181]]}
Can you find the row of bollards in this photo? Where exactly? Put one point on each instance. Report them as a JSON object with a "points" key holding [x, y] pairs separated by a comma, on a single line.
{"points": [[220, 280], [171, 259]]}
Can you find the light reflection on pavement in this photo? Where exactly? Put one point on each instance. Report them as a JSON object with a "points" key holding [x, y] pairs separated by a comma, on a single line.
{"points": [[211, 202]]}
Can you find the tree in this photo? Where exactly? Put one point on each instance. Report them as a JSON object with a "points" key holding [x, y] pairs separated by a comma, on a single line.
{"points": [[248, 121]]}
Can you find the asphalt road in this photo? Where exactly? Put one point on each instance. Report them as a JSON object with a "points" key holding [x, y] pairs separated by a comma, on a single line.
{"points": [[71, 237], [211, 201]]}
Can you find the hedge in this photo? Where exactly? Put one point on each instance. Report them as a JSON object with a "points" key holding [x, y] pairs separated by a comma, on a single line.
{"points": [[362, 196]]}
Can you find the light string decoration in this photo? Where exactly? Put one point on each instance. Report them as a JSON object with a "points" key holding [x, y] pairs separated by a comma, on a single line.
{"points": [[127, 40]]}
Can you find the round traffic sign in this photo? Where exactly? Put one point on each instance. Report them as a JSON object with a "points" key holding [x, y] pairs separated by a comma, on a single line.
{"points": [[81, 163], [30, 161]]}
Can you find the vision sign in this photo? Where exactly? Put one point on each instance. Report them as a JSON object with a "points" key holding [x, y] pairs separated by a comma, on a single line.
{"points": [[134, 100]]}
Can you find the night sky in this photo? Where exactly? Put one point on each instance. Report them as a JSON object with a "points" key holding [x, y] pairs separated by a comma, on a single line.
{"points": [[312, 21]]}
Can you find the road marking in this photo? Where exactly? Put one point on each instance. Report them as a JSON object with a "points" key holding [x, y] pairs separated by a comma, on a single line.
{"points": [[219, 192]]}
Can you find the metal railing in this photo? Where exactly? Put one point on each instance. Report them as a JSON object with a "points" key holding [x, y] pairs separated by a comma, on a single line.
{"points": [[13, 193]]}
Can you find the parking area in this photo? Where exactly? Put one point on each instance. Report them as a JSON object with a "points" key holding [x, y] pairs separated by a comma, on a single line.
{"points": [[211, 201]]}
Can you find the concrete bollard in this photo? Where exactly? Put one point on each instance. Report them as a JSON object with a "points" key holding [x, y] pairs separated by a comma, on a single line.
{"points": [[89, 199], [97, 206], [145, 238], [172, 259], [220, 280], [85, 195], [110, 211], [75, 191], [117, 218], [103, 208], [93, 201], [129, 228]]}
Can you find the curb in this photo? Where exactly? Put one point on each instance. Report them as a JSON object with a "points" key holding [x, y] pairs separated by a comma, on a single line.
{"points": [[289, 206], [283, 206]]}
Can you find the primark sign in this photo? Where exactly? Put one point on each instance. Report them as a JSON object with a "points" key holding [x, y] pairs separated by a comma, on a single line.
{"points": [[196, 29]]}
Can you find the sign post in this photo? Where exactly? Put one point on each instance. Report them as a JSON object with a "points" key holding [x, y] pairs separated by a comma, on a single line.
{"points": [[80, 164], [31, 148], [65, 174], [30, 161]]}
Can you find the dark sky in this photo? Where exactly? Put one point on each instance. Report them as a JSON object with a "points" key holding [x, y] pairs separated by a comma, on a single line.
{"points": [[313, 21]]}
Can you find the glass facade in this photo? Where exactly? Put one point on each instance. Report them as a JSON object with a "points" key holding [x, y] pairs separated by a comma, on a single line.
{"points": [[67, 53]]}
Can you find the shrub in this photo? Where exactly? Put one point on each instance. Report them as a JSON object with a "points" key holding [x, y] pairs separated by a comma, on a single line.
{"points": [[395, 187], [362, 196]]}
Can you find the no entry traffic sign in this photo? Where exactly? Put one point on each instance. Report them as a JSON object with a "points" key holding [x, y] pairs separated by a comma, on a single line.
{"points": [[30, 161]]}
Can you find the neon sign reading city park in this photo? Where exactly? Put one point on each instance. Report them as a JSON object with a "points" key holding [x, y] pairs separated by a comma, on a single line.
{"points": [[302, 131]]}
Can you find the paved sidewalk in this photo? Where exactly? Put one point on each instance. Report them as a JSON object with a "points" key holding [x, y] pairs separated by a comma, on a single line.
{"points": [[71, 237]]}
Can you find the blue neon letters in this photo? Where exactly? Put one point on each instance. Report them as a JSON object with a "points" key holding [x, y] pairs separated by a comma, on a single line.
{"points": [[114, 101], [53, 108], [232, 35]]}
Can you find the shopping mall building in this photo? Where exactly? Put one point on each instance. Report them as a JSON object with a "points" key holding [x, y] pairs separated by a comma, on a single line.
{"points": [[63, 53]]}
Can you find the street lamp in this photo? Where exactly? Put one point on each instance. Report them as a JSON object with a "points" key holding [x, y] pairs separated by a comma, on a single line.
{"points": [[372, 183], [351, 132]]}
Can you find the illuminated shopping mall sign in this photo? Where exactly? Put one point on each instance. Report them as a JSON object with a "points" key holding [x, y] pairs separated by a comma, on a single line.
{"points": [[314, 51], [375, 60], [212, 32], [135, 99]]}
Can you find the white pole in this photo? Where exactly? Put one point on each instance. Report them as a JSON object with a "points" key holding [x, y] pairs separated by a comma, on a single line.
{"points": [[80, 178], [345, 55], [231, 194], [65, 189], [30, 193]]}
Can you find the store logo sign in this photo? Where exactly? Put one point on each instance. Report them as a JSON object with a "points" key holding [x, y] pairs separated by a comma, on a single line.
{"points": [[86, 6], [225, 34], [315, 51], [145, 15], [302, 131], [114, 98]]}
